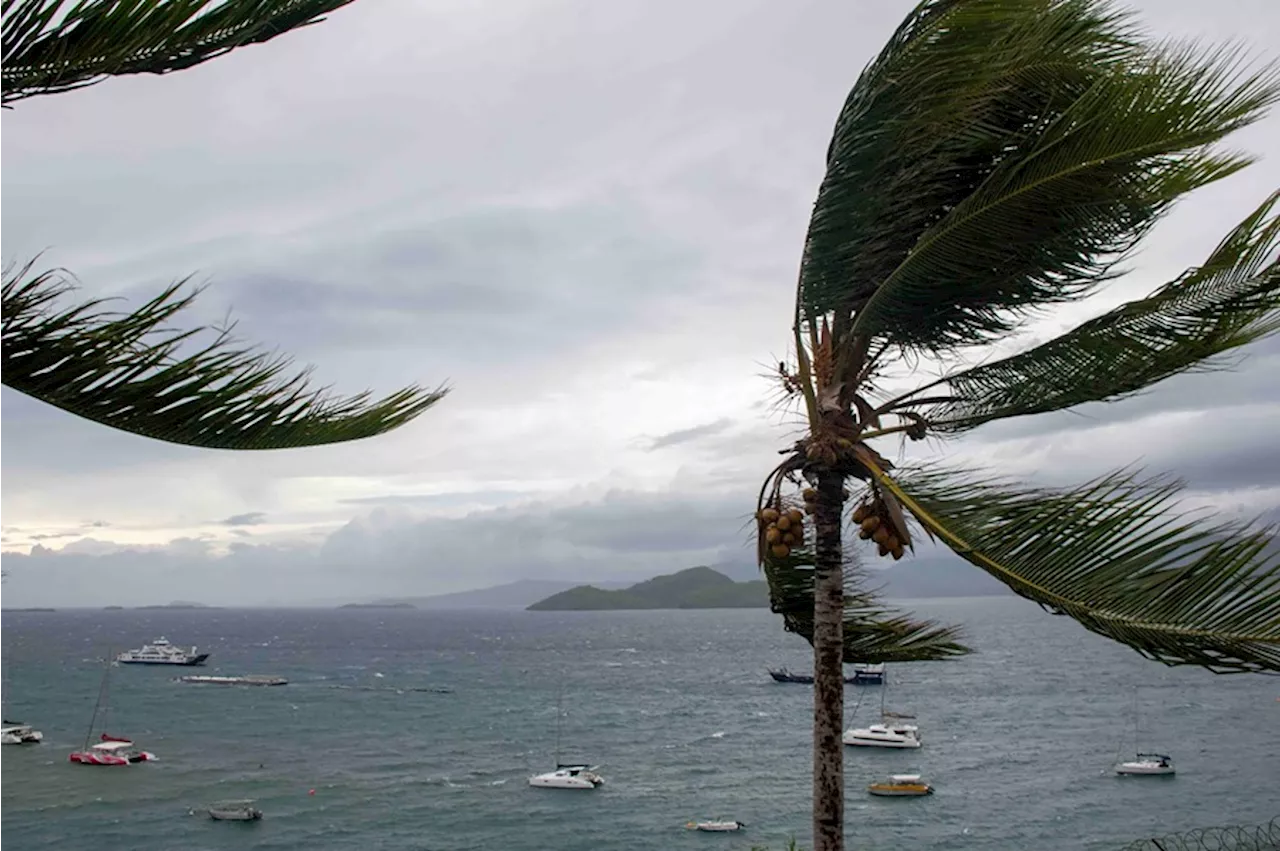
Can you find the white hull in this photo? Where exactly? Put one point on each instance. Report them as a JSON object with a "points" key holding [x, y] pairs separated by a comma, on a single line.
{"points": [[880, 736], [716, 826], [1144, 768], [567, 779], [20, 734], [853, 741]]}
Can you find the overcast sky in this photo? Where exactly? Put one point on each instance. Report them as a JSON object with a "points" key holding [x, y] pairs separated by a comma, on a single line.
{"points": [[587, 218]]}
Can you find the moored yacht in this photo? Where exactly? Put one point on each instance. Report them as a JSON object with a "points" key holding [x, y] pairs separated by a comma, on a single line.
{"points": [[885, 735], [17, 733], [568, 777], [161, 652], [111, 752], [1146, 763]]}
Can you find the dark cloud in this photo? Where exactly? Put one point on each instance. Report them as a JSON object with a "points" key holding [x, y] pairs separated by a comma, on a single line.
{"points": [[249, 518], [674, 438]]}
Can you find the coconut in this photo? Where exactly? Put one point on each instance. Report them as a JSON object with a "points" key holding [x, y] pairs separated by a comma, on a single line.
{"points": [[892, 542], [897, 552], [784, 523], [810, 495], [884, 551], [772, 534], [881, 536], [860, 513], [780, 550], [769, 515], [870, 524], [796, 515], [864, 534]]}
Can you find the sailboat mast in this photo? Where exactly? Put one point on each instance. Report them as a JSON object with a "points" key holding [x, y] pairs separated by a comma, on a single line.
{"points": [[102, 694], [559, 721]]}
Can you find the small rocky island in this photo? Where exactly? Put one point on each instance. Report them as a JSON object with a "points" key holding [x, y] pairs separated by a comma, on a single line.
{"points": [[377, 606], [695, 588]]}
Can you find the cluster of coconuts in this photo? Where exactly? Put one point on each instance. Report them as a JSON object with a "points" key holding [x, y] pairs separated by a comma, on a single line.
{"points": [[782, 530], [875, 524]]}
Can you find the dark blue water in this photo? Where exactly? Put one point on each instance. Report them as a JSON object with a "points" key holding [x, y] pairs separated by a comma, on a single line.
{"points": [[676, 707]]}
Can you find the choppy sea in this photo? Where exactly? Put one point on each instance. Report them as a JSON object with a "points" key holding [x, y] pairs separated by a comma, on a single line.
{"points": [[676, 707]]}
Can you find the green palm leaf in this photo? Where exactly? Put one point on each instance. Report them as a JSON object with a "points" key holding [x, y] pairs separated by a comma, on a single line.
{"points": [[129, 371], [872, 633], [1233, 299], [1114, 556], [1001, 155], [54, 46]]}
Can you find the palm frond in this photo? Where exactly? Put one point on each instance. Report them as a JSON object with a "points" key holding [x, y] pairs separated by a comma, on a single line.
{"points": [[872, 633], [1115, 556], [1001, 155], [53, 46], [1233, 299], [128, 371]]}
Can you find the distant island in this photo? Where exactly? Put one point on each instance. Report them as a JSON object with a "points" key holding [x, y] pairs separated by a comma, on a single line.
{"points": [[178, 604], [112, 608], [32, 609], [377, 606], [695, 588]]}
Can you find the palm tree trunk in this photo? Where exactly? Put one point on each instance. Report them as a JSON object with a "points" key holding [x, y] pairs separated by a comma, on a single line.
{"points": [[828, 668]]}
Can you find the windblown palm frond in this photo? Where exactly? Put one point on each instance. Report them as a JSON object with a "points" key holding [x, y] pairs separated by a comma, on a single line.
{"points": [[127, 371], [999, 155], [1112, 555], [1233, 299], [872, 633], [53, 46]]}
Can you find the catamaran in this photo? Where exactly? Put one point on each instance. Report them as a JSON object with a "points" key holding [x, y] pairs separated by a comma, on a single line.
{"points": [[110, 750], [14, 732], [566, 775]]}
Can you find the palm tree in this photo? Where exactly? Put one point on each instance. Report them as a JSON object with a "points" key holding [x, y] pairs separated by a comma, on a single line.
{"points": [[132, 371], [999, 157]]}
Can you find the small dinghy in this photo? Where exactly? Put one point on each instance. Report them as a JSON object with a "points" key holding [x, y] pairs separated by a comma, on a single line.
{"points": [[901, 786], [242, 810], [715, 826]]}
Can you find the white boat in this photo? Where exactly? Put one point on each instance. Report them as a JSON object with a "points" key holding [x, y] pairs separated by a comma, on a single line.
{"points": [[1146, 763], [14, 732], [247, 680], [891, 732], [161, 652], [884, 736], [566, 776], [242, 810], [1143, 763], [17, 733], [715, 826]]}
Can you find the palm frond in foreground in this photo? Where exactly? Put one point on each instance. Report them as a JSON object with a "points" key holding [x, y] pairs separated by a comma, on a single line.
{"points": [[130, 372]]}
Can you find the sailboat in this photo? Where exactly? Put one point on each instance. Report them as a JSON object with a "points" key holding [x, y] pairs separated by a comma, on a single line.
{"points": [[14, 732], [891, 732], [110, 750], [566, 775], [1144, 763]]}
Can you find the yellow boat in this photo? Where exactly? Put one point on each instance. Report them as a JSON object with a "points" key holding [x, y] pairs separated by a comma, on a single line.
{"points": [[901, 786]]}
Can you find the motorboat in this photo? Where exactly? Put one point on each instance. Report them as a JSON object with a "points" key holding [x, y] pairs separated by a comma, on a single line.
{"points": [[901, 786], [868, 675], [715, 826], [782, 675], [1146, 763], [242, 810], [568, 777], [162, 652], [891, 735], [111, 752], [17, 733]]}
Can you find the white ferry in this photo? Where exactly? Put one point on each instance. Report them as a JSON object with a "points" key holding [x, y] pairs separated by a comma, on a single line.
{"points": [[161, 652]]}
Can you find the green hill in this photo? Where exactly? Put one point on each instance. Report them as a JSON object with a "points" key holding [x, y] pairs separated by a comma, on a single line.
{"points": [[695, 588]]}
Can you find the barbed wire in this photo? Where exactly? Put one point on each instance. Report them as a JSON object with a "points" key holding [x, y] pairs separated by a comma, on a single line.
{"points": [[1256, 837]]}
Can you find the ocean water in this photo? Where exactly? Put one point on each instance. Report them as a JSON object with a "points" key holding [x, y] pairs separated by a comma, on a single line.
{"points": [[676, 707]]}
